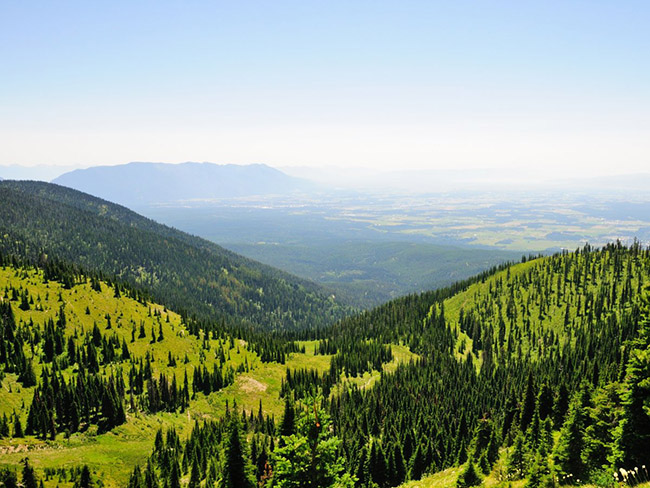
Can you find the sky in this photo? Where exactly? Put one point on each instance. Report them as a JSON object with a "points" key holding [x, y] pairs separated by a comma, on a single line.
{"points": [[539, 88]]}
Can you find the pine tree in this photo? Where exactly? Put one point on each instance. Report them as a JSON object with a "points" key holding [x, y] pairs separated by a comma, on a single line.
{"points": [[8, 478], [377, 466], [516, 460], [174, 480], [135, 481], [310, 458], [18, 427], [539, 475], [528, 407], [568, 452], [288, 425], [237, 472], [468, 477], [28, 478], [195, 476], [633, 433], [417, 466], [150, 478], [84, 480]]}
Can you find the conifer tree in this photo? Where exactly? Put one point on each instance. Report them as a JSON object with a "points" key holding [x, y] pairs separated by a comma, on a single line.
{"points": [[468, 477], [8, 478], [539, 475], [288, 425], [84, 480], [28, 478], [150, 478], [528, 407], [18, 427], [516, 460], [568, 458], [310, 458], [237, 471], [195, 476], [633, 433], [418, 464], [377, 466], [135, 481]]}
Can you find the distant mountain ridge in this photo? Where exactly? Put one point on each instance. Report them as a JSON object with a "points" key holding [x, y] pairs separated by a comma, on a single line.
{"points": [[141, 183]]}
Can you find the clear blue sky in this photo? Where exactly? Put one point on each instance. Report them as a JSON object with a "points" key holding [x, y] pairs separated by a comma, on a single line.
{"points": [[541, 85]]}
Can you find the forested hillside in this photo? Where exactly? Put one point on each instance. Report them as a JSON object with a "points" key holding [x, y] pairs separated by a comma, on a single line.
{"points": [[41, 220], [90, 370], [532, 374]]}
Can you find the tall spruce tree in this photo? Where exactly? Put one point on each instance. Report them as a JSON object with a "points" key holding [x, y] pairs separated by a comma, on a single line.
{"points": [[568, 453], [633, 434], [237, 469], [28, 476]]}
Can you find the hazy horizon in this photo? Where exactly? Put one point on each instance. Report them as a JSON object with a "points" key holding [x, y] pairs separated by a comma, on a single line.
{"points": [[536, 89]]}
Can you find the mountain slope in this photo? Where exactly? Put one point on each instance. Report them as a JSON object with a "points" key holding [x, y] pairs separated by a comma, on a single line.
{"points": [[128, 343], [526, 373], [184, 272], [149, 183], [520, 359]]}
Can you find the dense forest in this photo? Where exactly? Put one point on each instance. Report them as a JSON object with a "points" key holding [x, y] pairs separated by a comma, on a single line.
{"points": [[541, 368], [533, 374], [186, 273]]}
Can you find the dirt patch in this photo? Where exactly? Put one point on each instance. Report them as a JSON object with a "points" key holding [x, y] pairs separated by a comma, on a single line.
{"points": [[249, 385]]}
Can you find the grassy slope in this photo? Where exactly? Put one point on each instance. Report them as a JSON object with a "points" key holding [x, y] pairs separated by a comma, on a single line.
{"points": [[115, 453], [552, 319], [112, 455]]}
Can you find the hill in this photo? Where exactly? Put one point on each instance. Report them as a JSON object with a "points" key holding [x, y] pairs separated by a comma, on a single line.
{"points": [[530, 374], [136, 184], [181, 271], [525, 373], [533, 374], [146, 355], [90, 374]]}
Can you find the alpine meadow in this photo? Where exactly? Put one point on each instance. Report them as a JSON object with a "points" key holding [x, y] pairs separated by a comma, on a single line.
{"points": [[342, 244]]}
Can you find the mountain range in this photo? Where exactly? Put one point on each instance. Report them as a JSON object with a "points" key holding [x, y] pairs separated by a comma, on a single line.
{"points": [[141, 183]]}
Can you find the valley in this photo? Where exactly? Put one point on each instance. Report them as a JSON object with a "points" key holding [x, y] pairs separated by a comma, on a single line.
{"points": [[527, 373]]}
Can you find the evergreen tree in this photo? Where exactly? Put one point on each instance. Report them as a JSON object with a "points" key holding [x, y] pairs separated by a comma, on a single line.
{"points": [[18, 427], [468, 477], [288, 425], [195, 476], [8, 478], [28, 478], [174, 480], [568, 453], [135, 481], [633, 433], [516, 460], [539, 475], [84, 480], [150, 478], [528, 407], [377, 466], [310, 457], [418, 464], [237, 471]]}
